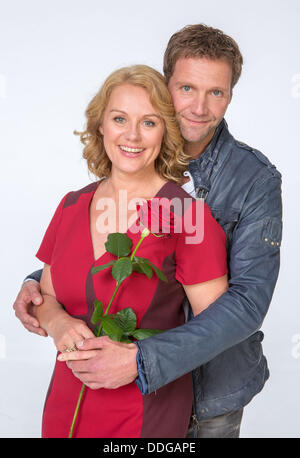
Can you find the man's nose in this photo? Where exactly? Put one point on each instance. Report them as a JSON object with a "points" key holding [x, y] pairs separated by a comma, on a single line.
{"points": [[200, 106]]}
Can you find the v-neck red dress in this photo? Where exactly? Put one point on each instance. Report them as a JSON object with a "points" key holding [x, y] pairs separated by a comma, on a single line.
{"points": [[67, 248]]}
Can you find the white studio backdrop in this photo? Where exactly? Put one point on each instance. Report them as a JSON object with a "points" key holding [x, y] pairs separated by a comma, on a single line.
{"points": [[53, 58]]}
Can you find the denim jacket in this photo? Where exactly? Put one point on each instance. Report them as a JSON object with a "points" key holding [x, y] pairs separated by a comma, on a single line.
{"points": [[222, 345]]}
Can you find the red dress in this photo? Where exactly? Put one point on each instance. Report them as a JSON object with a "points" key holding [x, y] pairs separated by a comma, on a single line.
{"points": [[67, 247]]}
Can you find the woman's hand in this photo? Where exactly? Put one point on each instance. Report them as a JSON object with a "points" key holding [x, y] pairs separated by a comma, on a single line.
{"points": [[103, 363], [62, 327], [66, 331]]}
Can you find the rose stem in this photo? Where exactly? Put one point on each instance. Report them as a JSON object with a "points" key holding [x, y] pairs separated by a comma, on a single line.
{"points": [[143, 235]]}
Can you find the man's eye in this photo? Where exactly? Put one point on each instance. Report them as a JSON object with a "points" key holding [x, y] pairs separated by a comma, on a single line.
{"points": [[186, 88], [217, 92]]}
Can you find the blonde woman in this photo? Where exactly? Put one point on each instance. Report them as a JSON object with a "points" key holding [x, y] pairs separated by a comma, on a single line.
{"points": [[133, 146]]}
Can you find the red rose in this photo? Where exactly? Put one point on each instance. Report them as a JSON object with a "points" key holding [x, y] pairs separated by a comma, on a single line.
{"points": [[157, 216]]}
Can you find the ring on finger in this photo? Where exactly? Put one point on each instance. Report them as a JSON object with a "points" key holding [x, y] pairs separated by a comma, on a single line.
{"points": [[69, 349]]}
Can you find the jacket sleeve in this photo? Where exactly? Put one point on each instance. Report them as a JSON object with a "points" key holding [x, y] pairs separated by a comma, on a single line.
{"points": [[36, 275], [254, 265]]}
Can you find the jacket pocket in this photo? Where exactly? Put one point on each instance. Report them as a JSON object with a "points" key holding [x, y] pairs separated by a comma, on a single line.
{"points": [[272, 231]]}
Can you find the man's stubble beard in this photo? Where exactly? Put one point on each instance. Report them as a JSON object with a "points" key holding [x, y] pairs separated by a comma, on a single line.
{"points": [[190, 137], [201, 139]]}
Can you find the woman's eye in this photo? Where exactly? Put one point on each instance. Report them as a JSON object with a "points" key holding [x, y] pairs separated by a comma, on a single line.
{"points": [[119, 119], [186, 88], [217, 92], [149, 123]]}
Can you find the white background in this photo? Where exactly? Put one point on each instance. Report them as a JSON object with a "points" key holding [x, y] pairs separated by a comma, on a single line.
{"points": [[53, 58]]}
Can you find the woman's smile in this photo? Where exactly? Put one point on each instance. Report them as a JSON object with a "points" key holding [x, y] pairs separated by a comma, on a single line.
{"points": [[131, 151]]}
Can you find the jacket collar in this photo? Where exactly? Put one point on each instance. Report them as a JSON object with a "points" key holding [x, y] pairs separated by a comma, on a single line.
{"points": [[201, 168]]}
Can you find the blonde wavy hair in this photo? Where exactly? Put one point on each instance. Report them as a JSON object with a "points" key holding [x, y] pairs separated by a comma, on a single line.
{"points": [[171, 161]]}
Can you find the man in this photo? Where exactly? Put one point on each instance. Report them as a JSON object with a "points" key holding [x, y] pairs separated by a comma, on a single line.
{"points": [[222, 345]]}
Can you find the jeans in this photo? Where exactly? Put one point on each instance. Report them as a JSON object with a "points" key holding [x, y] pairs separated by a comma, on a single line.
{"points": [[222, 426]]}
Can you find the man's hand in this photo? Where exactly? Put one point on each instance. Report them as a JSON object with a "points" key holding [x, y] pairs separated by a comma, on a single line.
{"points": [[103, 363], [25, 304]]}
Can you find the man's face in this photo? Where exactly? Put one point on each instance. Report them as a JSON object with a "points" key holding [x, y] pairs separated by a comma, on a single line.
{"points": [[201, 91]]}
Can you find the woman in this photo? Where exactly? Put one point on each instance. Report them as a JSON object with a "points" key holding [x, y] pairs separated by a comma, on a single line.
{"points": [[133, 145]]}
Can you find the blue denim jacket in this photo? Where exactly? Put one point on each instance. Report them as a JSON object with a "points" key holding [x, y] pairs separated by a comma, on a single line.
{"points": [[222, 345]]}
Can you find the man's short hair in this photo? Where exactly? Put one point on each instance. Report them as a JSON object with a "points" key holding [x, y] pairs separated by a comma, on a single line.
{"points": [[199, 40]]}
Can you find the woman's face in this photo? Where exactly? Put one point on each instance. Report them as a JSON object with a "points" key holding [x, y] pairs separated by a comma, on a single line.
{"points": [[132, 130]]}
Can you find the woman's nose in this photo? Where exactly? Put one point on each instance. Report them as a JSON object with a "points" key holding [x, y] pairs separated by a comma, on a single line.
{"points": [[133, 132]]}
